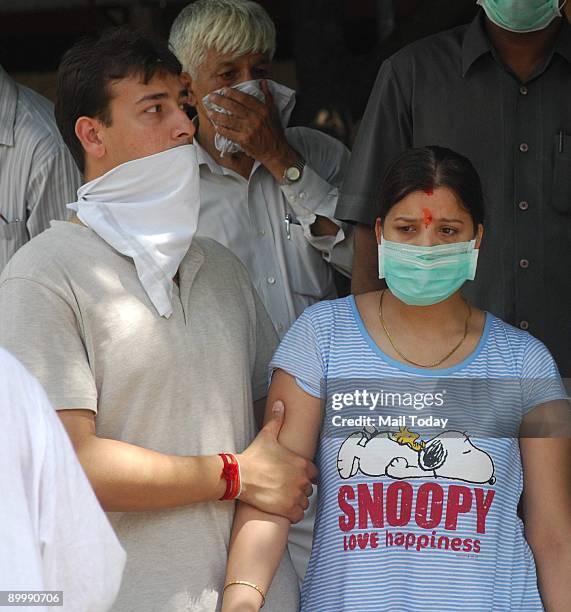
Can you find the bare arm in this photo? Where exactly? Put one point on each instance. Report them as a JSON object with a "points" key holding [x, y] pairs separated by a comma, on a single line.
{"points": [[129, 478], [365, 265], [547, 515], [259, 539]]}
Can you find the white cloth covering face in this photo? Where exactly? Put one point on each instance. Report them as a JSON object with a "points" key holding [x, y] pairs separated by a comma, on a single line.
{"points": [[147, 209], [284, 99]]}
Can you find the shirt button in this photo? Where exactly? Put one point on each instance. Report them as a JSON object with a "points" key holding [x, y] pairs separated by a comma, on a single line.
{"points": [[524, 147], [302, 195], [523, 90], [280, 327], [523, 205], [262, 233], [524, 325], [271, 280], [523, 263]]}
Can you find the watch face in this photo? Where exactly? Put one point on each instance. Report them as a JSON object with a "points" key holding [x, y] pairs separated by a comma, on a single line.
{"points": [[293, 174]]}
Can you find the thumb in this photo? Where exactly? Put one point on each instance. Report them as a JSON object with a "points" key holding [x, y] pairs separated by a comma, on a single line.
{"points": [[276, 421]]}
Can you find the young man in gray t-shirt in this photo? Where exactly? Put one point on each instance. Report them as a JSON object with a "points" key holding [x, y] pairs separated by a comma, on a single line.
{"points": [[153, 374]]}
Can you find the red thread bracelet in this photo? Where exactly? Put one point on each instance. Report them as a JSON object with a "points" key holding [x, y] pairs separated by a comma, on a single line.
{"points": [[231, 474]]}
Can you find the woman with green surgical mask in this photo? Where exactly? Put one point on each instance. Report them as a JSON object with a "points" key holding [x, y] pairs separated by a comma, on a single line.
{"points": [[428, 237], [429, 420], [429, 233]]}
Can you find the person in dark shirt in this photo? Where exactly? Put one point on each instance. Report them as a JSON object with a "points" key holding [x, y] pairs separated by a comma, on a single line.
{"points": [[500, 97]]}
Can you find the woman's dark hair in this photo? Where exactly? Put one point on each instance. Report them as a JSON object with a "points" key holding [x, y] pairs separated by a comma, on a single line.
{"points": [[424, 169], [91, 64]]}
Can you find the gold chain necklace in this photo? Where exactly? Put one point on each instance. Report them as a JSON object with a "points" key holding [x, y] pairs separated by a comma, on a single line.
{"points": [[420, 365]]}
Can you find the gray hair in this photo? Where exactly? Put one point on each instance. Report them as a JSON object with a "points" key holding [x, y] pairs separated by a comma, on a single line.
{"points": [[228, 26]]}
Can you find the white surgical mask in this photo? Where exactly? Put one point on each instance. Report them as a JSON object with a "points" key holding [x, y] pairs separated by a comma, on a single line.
{"points": [[284, 99], [147, 209]]}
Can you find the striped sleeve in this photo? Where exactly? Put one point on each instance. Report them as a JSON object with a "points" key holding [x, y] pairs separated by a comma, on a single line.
{"points": [[53, 184], [540, 377], [299, 354]]}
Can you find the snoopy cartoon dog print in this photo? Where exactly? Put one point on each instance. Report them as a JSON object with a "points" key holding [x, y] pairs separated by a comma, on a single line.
{"points": [[450, 454]]}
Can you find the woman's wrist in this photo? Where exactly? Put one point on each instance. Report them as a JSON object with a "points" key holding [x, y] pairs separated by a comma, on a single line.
{"points": [[241, 598]]}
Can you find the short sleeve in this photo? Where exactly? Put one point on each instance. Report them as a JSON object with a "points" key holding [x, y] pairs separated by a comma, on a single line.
{"points": [[266, 342], [540, 377], [299, 354], [385, 131], [42, 330]]}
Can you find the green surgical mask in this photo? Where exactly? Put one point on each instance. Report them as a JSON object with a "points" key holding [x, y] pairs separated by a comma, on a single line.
{"points": [[521, 15], [422, 276]]}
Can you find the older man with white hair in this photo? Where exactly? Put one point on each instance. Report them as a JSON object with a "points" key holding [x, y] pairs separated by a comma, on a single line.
{"points": [[268, 192]]}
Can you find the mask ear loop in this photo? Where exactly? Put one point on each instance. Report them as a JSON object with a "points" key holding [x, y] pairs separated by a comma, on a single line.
{"points": [[380, 263], [560, 7]]}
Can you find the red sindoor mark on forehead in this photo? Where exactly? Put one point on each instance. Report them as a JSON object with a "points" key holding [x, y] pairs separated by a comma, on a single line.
{"points": [[427, 217]]}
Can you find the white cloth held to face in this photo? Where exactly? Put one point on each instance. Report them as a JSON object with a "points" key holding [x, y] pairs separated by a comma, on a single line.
{"points": [[147, 209], [284, 99]]}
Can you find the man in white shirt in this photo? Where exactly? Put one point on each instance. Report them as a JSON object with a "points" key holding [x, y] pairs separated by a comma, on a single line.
{"points": [[54, 534], [271, 203]]}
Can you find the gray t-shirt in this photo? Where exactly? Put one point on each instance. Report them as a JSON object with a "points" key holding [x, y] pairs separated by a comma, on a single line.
{"points": [[75, 313]]}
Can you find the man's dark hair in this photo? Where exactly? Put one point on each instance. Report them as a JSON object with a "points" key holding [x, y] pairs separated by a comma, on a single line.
{"points": [[88, 68], [426, 168]]}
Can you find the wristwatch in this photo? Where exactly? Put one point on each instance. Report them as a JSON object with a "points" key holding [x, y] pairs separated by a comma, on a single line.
{"points": [[294, 173]]}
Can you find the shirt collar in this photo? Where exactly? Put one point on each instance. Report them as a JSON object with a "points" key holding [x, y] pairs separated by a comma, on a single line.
{"points": [[563, 42], [187, 273], [476, 42], [204, 158], [8, 103]]}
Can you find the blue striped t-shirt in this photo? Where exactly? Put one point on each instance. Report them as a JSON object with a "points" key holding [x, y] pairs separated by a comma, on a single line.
{"points": [[415, 512]]}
